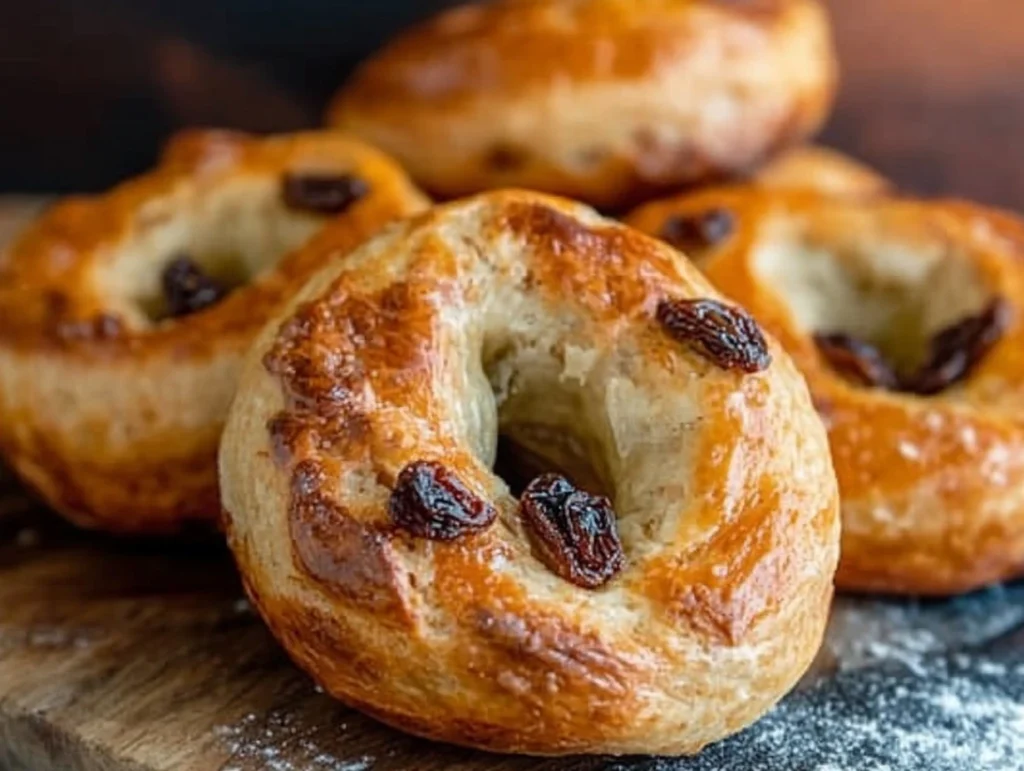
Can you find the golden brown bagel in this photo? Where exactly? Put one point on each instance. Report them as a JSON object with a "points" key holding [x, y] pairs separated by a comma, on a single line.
{"points": [[112, 411], [607, 101], [813, 167], [532, 316], [930, 477]]}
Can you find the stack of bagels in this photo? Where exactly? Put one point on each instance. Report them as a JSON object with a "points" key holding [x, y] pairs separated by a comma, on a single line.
{"points": [[774, 356]]}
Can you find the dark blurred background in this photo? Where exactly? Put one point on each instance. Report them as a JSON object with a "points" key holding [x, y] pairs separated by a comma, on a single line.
{"points": [[932, 90]]}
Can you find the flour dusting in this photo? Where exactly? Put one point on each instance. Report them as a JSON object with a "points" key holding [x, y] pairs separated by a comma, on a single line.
{"points": [[899, 686], [48, 637], [279, 743], [865, 632]]}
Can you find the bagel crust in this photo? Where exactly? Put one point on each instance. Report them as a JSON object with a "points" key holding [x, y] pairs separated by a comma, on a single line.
{"points": [[814, 167], [531, 316], [606, 101], [112, 413], [930, 484]]}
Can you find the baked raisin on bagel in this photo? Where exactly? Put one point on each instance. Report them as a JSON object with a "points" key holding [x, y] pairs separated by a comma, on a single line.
{"points": [[904, 316], [124, 317], [403, 574], [606, 101]]}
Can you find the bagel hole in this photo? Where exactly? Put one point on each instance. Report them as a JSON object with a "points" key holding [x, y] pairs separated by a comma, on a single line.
{"points": [[232, 234], [519, 464], [226, 272], [539, 421], [698, 234], [892, 289]]}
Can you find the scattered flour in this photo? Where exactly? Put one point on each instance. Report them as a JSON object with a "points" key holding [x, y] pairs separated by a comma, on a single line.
{"points": [[47, 637], [881, 719], [866, 632], [899, 687], [278, 743]]}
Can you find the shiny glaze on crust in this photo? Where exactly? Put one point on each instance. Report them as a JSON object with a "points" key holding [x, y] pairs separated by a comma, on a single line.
{"points": [[515, 46], [113, 417], [347, 388], [606, 101], [337, 550], [328, 351], [930, 485], [49, 297], [815, 167], [614, 274]]}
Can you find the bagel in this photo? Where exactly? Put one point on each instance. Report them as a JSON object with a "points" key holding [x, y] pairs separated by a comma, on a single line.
{"points": [[904, 316], [812, 167], [400, 571], [606, 101], [119, 342]]}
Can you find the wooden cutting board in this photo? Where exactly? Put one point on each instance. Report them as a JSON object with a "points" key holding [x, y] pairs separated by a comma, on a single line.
{"points": [[132, 655]]}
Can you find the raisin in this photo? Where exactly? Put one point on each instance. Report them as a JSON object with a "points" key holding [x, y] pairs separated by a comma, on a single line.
{"points": [[574, 532], [323, 193], [856, 360], [727, 336], [188, 289], [430, 501], [696, 232], [954, 351]]}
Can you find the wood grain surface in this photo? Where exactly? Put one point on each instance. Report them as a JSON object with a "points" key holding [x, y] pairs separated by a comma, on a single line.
{"points": [[131, 656], [138, 656]]}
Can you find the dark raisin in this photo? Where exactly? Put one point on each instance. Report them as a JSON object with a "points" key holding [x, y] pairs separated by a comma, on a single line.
{"points": [[856, 360], [696, 232], [574, 532], [727, 336], [431, 502], [954, 351], [188, 289], [323, 193]]}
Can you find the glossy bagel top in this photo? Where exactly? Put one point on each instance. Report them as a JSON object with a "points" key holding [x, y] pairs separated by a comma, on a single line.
{"points": [[78, 278], [532, 317], [930, 473], [112, 392], [605, 101]]}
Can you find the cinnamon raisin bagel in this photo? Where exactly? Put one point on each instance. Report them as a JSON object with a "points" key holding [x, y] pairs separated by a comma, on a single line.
{"points": [[124, 316], [606, 101], [905, 318], [403, 574]]}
